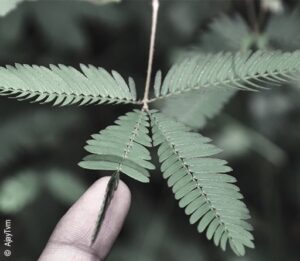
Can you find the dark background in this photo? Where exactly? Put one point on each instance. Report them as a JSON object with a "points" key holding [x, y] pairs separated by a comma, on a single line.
{"points": [[40, 145]]}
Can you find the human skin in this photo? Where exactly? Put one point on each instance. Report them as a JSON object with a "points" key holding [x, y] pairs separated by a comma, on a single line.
{"points": [[71, 238]]}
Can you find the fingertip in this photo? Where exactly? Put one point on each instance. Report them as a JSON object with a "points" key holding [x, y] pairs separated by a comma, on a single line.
{"points": [[77, 226]]}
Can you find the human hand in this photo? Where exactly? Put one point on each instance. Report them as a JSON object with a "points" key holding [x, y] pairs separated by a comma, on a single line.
{"points": [[72, 236]]}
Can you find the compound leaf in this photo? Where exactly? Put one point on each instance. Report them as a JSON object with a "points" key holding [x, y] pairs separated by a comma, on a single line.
{"points": [[64, 85], [201, 184], [242, 70]]}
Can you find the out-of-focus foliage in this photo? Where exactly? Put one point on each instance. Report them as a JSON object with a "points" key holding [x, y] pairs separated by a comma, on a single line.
{"points": [[21, 189], [29, 131], [64, 186], [225, 34], [198, 106], [237, 139], [101, 2], [272, 5], [7, 6], [283, 31], [18, 191]]}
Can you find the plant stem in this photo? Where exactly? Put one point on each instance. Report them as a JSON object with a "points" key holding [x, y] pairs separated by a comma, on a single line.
{"points": [[155, 6], [252, 16]]}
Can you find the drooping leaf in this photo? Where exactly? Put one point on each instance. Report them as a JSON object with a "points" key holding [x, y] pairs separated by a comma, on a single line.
{"points": [[64, 85], [201, 184]]}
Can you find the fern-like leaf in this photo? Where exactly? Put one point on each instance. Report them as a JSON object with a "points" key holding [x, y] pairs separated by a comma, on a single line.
{"points": [[242, 70], [196, 107], [201, 184], [122, 147], [63, 85]]}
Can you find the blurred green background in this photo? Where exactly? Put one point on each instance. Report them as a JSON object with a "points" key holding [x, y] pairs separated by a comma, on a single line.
{"points": [[40, 145]]}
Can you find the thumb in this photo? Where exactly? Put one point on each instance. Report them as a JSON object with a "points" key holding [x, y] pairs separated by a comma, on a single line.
{"points": [[72, 236]]}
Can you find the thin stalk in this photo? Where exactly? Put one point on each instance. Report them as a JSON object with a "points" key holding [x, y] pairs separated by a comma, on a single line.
{"points": [[155, 6], [252, 16]]}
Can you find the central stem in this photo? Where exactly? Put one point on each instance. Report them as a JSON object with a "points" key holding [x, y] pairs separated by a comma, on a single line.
{"points": [[155, 6]]}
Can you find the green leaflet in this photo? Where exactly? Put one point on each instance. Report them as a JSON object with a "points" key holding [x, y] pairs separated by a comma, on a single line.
{"points": [[122, 147], [64, 85], [201, 184], [241, 70]]}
